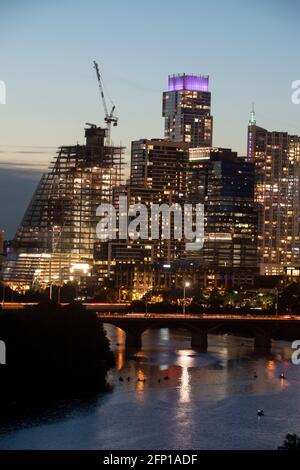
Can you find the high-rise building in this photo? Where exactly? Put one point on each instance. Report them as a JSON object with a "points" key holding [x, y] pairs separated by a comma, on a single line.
{"points": [[159, 172], [2, 233], [224, 183], [1, 248], [116, 259], [164, 172], [161, 166], [276, 156], [187, 110], [56, 239]]}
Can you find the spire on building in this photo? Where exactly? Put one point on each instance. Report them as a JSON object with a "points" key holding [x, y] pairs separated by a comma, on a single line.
{"points": [[252, 120]]}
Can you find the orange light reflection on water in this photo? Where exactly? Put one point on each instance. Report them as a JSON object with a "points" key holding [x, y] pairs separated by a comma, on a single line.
{"points": [[140, 387], [120, 339]]}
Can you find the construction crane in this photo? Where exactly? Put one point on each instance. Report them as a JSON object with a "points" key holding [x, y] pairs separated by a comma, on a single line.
{"points": [[109, 117]]}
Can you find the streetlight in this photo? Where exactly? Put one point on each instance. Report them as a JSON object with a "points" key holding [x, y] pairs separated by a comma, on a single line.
{"points": [[3, 294], [58, 293], [186, 284], [276, 300], [120, 292]]}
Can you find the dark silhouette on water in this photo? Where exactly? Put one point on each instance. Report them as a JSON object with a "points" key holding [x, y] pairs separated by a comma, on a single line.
{"points": [[52, 352]]}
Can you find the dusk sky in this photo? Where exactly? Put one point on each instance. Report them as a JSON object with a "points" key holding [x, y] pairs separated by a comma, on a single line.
{"points": [[249, 49]]}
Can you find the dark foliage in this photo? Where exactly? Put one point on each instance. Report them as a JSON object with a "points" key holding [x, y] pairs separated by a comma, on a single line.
{"points": [[53, 350], [291, 442], [289, 299]]}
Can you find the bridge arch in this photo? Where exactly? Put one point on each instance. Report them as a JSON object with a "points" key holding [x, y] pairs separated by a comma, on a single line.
{"points": [[221, 325], [198, 333], [134, 331], [135, 327], [262, 334]]}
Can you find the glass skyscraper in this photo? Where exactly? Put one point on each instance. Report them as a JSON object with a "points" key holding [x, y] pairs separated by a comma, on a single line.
{"points": [[187, 110], [224, 183], [56, 239], [276, 156]]}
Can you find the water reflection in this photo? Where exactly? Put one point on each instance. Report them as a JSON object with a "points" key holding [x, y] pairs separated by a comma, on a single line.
{"points": [[140, 386], [164, 334], [185, 360], [171, 396], [119, 352], [229, 368]]}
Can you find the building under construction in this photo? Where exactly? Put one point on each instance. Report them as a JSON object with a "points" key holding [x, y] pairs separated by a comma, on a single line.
{"points": [[56, 240]]}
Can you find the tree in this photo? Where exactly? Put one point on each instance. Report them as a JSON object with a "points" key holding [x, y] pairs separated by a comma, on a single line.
{"points": [[289, 299], [232, 298], [291, 442], [5, 292], [215, 298], [198, 297], [53, 350]]}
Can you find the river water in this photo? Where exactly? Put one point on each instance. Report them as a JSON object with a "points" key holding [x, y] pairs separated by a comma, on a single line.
{"points": [[176, 398]]}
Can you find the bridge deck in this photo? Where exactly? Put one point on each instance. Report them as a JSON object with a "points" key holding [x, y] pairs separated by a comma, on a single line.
{"points": [[197, 317]]}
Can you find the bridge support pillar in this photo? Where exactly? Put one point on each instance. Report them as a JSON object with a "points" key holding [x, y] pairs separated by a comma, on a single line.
{"points": [[199, 339], [262, 342], [133, 338]]}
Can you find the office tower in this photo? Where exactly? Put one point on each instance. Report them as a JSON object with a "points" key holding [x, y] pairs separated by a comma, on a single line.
{"points": [[128, 263], [276, 156], [56, 239], [186, 109], [2, 233], [1, 248], [161, 166], [224, 183], [159, 171], [116, 259]]}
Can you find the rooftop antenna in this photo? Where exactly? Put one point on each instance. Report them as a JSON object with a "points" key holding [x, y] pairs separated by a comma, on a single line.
{"points": [[252, 121]]}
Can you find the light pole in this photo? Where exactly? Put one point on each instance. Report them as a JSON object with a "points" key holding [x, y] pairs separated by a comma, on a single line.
{"points": [[186, 284], [120, 291], [276, 300], [3, 294], [58, 294], [146, 304], [50, 280]]}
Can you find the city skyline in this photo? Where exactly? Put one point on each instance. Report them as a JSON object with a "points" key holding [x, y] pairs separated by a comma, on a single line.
{"points": [[45, 121], [149, 231]]}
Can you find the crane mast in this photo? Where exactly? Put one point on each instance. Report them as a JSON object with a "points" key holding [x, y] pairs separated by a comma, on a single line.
{"points": [[109, 116]]}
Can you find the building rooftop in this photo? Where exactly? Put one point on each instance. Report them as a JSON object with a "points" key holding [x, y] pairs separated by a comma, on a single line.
{"points": [[189, 82]]}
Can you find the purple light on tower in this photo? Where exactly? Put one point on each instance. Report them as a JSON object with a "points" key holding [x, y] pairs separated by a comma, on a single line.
{"points": [[188, 82]]}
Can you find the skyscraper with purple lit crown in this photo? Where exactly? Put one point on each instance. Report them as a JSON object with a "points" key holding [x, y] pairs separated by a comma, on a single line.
{"points": [[187, 108]]}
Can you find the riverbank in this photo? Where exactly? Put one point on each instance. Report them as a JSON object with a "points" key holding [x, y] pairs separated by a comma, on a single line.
{"points": [[52, 351]]}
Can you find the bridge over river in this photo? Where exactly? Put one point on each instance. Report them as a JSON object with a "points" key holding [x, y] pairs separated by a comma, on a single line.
{"points": [[261, 328]]}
